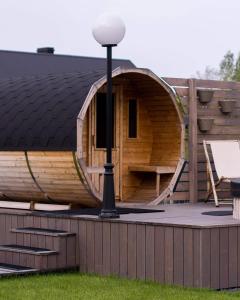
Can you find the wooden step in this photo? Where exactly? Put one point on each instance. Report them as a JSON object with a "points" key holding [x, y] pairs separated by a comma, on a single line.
{"points": [[31, 257], [42, 231], [57, 240], [27, 250], [10, 269]]}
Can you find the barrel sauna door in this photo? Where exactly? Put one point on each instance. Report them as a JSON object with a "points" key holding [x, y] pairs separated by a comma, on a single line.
{"points": [[98, 140]]}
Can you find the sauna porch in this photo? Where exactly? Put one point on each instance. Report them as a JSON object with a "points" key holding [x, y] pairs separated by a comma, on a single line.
{"points": [[178, 246]]}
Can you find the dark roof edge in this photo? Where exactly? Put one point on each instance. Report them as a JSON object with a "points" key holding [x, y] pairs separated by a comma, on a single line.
{"points": [[63, 55]]}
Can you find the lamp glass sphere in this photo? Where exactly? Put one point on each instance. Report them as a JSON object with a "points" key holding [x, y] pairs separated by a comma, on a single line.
{"points": [[109, 29]]}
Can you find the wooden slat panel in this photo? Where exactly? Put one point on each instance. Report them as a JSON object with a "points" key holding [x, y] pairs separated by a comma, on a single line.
{"points": [[159, 254], [215, 257], [205, 257], [115, 249], [196, 258], [71, 251], [3, 230], [238, 252], [150, 247], [224, 258], [82, 246], [14, 224], [132, 251], [178, 275], [176, 81], [233, 257], [217, 84], [90, 247], [43, 173], [168, 255], [106, 248], [74, 229], [98, 244], [141, 252], [188, 257], [123, 252], [156, 144], [193, 192]]}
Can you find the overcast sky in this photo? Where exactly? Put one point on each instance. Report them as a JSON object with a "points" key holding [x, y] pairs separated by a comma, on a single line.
{"points": [[170, 37]]}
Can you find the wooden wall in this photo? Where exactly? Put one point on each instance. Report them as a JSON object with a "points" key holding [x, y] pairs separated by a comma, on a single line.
{"points": [[225, 127], [158, 141], [43, 176], [166, 131], [134, 150], [186, 256]]}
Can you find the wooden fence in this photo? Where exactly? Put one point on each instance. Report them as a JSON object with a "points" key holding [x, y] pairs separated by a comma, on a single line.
{"points": [[193, 182]]}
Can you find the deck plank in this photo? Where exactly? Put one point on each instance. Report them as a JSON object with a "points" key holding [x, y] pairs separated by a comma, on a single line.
{"points": [[168, 255], [98, 244], [115, 249], [178, 274], [188, 257], [215, 257], [159, 254], [150, 263], [141, 252], [224, 258], [132, 251], [106, 248], [123, 251], [233, 257]]}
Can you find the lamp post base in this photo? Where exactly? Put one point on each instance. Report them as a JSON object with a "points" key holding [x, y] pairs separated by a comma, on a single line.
{"points": [[108, 209], [109, 214]]}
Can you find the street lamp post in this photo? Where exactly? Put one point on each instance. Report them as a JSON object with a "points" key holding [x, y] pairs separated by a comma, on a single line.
{"points": [[108, 31]]}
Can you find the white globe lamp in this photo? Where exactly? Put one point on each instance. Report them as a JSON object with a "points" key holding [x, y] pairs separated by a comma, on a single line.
{"points": [[108, 31]]}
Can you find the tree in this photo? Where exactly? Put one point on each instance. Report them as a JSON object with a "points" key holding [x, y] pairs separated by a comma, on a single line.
{"points": [[229, 69], [227, 66], [209, 73], [236, 75]]}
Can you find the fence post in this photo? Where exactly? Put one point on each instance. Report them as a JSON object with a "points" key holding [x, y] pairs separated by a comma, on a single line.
{"points": [[193, 143]]}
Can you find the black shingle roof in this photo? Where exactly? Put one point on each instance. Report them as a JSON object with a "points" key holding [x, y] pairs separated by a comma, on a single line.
{"points": [[38, 110], [15, 64]]}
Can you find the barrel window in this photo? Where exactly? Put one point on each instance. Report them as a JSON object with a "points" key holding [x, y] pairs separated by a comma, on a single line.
{"points": [[101, 103], [132, 118]]}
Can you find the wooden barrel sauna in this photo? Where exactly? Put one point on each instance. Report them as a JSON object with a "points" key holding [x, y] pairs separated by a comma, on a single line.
{"points": [[52, 142]]}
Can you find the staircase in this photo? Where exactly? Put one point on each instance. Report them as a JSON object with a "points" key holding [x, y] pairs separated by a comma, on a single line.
{"points": [[38, 250]]}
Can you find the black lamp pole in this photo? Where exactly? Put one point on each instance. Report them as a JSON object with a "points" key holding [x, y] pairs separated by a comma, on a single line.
{"points": [[108, 205]]}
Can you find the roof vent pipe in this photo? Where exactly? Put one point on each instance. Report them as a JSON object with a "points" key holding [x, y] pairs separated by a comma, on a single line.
{"points": [[46, 50]]}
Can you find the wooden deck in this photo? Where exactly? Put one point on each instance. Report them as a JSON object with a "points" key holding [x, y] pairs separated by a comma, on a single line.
{"points": [[179, 246]]}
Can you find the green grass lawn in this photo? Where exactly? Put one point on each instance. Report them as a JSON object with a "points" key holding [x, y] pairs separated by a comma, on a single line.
{"points": [[86, 287]]}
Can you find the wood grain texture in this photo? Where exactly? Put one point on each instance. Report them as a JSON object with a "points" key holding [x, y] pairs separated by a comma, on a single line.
{"points": [[193, 192], [115, 256], [224, 258], [159, 254], [150, 252], [205, 262], [186, 256], [233, 257], [169, 255], [43, 177], [123, 251], [155, 144], [215, 258], [106, 248], [141, 252], [132, 251]]}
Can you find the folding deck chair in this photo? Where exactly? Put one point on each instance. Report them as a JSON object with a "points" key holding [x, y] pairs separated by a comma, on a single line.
{"points": [[226, 158]]}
